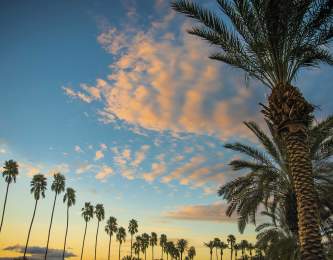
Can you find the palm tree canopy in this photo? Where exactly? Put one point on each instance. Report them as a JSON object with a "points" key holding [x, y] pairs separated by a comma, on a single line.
{"points": [[145, 238], [163, 240], [153, 239], [10, 171], [111, 226], [38, 186], [87, 211], [191, 252], [133, 227], [182, 245], [231, 240], [217, 242], [210, 245], [267, 176], [69, 197], [58, 184], [121, 235], [99, 212], [269, 39]]}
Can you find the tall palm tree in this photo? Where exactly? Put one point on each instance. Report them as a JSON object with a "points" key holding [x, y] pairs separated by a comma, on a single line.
{"points": [[243, 245], [217, 242], [236, 247], [58, 186], [191, 252], [153, 242], [222, 246], [132, 229], [87, 213], [137, 246], [121, 237], [110, 229], [181, 246], [38, 188], [145, 243], [231, 241], [168, 248], [250, 247], [69, 197], [163, 240], [271, 41], [211, 246], [100, 214], [10, 171]]}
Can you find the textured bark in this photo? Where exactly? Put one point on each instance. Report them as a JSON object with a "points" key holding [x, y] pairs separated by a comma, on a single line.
{"points": [[63, 252], [32, 221], [48, 237], [4, 206]]}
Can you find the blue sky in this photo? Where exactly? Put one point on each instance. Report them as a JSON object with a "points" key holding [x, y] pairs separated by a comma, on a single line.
{"points": [[115, 95]]}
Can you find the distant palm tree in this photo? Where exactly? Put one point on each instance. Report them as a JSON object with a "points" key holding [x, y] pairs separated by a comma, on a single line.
{"points": [[100, 214], [10, 171], [121, 237], [181, 246], [243, 245], [87, 214], [222, 246], [231, 241], [153, 242], [38, 188], [211, 246], [70, 198], [145, 243], [163, 240], [236, 247], [137, 246], [110, 229], [217, 242], [132, 229], [250, 248], [191, 252], [58, 186], [170, 246]]}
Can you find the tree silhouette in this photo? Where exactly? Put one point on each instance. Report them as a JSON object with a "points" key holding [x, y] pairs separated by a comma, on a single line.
{"points": [[110, 229], [121, 237], [231, 241], [211, 246], [87, 213], [191, 252], [100, 214], [58, 186], [217, 242], [38, 188], [132, 229], [69, 197], [153, 242], [181, 246], [145, 243], [10, 171]]}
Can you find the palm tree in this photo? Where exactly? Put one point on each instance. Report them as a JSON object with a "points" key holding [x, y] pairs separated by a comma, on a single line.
{"points": [[121, 237], [100, 214], [132, 229], [211, 246], [70, 198], [168, 248], [137, 246], [10, 171], [231, 241], [236, 247], [38, 188], [222, 246], [153, 242], [110, 229], [58, 186], [250, 247], [163, 240], [217, 242], [271, 41], [181, 246], [243, 245], [87, 213], [191, 252], [145, 243]]}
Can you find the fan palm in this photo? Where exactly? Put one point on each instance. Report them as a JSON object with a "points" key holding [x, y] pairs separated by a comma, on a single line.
{"points": [[110, 229], [137, 246], [87, 213], [58, 186], [191, 252], [271, 40], [153, 242], [163, 240], [38, 187], [181, 246], [169, 248], [10, 171], [268, 176], [231, 241], [145, 243], [121, 237], [217, 242], [100, 214], [69, 197], [211, 246], [132, 229]]}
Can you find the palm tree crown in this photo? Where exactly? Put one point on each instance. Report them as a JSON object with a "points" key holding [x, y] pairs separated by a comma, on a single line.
{"points": [[10, 171], [121, 235], [99, 212], [191, 252], [111, 226], [58, 184], [87, 211], [38, 186], [69, 197], [133, 227]]}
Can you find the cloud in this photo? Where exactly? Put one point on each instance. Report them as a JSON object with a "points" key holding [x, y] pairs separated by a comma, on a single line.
{"points": [[104, 172], [29, 169], [140, 155], [61, 168], [209, 212], [103, 147], [78, 149], [85, 168], [157, 169], [99, 155]]}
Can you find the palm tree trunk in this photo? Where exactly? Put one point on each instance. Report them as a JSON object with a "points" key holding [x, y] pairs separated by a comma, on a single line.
{"points": [[167, 256], [162, 252], [32, 220], [231, 252], [145, 254], [119, 251], [181, 255], [211, 255], [152, 253], [131, 244], [216, 254], [63, 252], [48, 237], [4, 206], [221, 254], [96, 239], [109, 247], [84, 237]]}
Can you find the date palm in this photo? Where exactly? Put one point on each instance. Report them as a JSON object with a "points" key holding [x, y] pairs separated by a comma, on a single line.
{"points": [[163, 240], [110, 229], [87, 213], [132, 229], [38, 187], [10, 171], [153, 242], [182, 246], [145, 238], [100, 214], [231, 241], [211, 246], [121, 237], [58, 186], [271, 40], [69, 199], [191, 252]]}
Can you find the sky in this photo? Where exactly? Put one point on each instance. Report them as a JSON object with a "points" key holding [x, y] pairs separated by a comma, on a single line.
{"points": [[117, 96]]}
